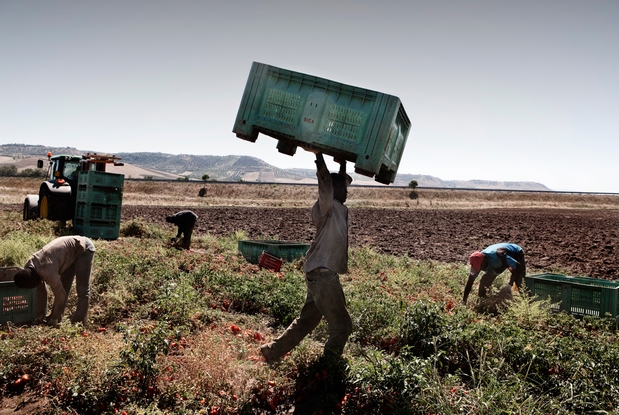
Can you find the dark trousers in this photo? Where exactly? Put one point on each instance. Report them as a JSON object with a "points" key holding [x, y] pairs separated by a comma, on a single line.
{"points": [[516, 277], [186, 230]]}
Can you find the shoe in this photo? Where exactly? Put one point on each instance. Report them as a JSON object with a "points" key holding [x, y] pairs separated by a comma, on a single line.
{"points": [[268, 353]]}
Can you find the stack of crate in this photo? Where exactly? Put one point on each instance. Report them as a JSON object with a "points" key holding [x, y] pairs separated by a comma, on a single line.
{"points": [[98, 204]]}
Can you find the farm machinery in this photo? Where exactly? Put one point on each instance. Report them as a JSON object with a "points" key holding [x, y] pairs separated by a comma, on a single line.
{"points": [[57, 195]]}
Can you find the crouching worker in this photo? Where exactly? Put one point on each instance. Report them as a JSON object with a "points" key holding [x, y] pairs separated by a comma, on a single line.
{"points": [[57, 264], [493, 261], [326, 258], [185, 220]]}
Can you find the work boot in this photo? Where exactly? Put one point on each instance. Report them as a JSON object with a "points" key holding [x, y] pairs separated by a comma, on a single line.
{"points": [[268, 353]]}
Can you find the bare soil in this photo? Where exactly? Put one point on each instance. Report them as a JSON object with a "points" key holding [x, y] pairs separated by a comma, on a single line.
{"points": [[577, 242]]}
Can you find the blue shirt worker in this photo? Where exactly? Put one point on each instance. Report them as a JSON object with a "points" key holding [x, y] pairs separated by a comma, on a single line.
{"points": [[326, 258], [493, 261], [185, 220], [57, 264]]}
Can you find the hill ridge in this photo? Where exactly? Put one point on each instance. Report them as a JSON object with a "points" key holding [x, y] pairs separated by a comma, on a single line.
{"points": [[157, 165]]}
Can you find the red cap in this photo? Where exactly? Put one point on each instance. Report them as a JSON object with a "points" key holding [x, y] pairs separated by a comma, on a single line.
{"points": [[476, 259]]}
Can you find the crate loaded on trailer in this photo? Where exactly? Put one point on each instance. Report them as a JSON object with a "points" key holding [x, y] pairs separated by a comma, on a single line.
{"points": [[349, 123], [99, 203]]}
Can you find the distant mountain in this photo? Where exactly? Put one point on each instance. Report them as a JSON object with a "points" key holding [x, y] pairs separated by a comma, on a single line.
{"points": [[223, 168], [233, 168]]}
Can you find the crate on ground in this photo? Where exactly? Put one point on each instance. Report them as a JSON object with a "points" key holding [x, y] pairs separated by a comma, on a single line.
{"points": [[349, 123], [269, 261], [97, 212], [18, 305], [102, 195], [287, 251], [101, 179], [578, 296], [96, 230]]}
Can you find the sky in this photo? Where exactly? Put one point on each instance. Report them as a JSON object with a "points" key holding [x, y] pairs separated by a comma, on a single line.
{"points": [[495, 90]]}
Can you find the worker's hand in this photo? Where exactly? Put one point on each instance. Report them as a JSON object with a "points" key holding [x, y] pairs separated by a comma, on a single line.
{"points": [[53, 322], [39, 320]]}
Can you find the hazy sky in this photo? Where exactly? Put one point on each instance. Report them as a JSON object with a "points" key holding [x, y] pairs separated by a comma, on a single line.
{"points": [[495, 90]]}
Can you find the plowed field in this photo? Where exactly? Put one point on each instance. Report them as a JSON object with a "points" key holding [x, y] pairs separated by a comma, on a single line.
{"points": [[578, 242]]}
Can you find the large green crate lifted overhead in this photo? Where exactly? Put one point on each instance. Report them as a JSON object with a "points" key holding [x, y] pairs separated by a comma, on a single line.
{"points": [[349, 123]]}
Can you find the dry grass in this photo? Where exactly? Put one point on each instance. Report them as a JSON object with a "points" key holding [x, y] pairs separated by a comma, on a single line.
{"points": [[14, 189], [180, 193], [214, 361]]}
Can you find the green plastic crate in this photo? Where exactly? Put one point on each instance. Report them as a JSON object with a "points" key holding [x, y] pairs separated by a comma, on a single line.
{"points": [[349, 123], [287, 251], [96, 230], [17, 305], [97, 212], [579, 296], [100, 178], [103, 195]]}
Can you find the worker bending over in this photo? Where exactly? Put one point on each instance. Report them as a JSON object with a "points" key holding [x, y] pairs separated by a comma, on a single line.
{"points": [[493, 261], [57, 264]]}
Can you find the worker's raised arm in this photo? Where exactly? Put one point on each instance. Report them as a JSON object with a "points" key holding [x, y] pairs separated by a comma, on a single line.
{"points": [[321, 166], [325, 185]]}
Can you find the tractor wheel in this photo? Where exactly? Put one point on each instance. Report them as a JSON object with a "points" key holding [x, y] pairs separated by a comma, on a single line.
{"points": [[26, 209], [44, 207], [46, 203], [30, 211]]}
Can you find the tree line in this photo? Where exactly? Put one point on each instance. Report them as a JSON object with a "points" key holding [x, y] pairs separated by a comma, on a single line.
{"points": [[10, 170]]}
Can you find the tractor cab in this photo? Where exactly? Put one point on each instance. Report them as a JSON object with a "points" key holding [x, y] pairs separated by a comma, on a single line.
{"points": [[63, 170]]}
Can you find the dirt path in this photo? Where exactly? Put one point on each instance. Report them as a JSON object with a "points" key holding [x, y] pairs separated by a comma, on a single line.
{"points": [[583, 242]]}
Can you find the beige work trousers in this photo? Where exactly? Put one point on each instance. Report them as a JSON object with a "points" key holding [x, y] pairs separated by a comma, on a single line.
{"points": [[325, 297]]}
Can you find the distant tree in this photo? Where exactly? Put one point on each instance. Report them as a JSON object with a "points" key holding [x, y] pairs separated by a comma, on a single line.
{"points": [[149, 178], [413, 185], [33, 173], [205, 177], [8, 170], [183, 178]]}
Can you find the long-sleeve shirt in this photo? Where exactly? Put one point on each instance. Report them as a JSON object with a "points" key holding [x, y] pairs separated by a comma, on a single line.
{"points": [[330, 216], [51, 261], [183, 219]]}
